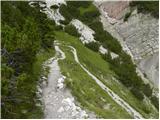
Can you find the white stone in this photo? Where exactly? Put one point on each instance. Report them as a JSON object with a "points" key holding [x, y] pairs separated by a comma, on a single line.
{"points": [[61, 109], [103, 50], [55, 2], [60, 85]]}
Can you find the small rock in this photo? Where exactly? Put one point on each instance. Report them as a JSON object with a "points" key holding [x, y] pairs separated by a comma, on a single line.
{"points": [[61, 109], [44, 78], [23, 111], [38, 104]]}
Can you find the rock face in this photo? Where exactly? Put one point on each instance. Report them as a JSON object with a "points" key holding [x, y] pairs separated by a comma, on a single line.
{"points": [[115, 9], [138, 36]]}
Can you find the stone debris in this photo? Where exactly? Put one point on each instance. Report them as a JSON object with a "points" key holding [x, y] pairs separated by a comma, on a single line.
{"points": [[60, 84], [85, 31], [70, 105]]}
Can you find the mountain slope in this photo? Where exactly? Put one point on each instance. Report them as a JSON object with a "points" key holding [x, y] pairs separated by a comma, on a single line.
{"points": [[105, 75], [87, 74]]}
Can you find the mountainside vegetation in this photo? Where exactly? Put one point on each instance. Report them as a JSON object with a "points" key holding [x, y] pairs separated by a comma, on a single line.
{"points": [[27, 41]]}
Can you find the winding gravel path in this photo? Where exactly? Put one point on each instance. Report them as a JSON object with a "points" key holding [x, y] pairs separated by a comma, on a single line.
{"points": [[114, 96], [58, 101]]}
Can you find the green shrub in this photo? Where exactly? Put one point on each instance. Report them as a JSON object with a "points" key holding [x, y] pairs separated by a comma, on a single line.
{"points": [[146, 109], [79, 3], [66, 14], [69, 12], [54, 7], [93, 46], [137, 93], [64, 22], [105, 38], [48, 40], [58, 27], [70, 29], [147, 90], [107, 57], [155, 101], [89, 16], [127, 15]]}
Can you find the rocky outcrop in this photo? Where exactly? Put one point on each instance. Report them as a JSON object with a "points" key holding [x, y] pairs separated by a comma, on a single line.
{"points": [[138, 36], [46, 7], [115, 9], [85, 32]]}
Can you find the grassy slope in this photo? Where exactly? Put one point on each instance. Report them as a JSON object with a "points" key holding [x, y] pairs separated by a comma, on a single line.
{"points": [[100, 69]]}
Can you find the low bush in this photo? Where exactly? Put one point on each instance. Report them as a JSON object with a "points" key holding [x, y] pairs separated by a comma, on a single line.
{"points": [[127, 15], [48, 40], [69, 12], [137, 93], [89, 16], [79, 3], [147, 90], [155, 101], [64, 22], [54, 7], [65, 13], [70, 29], [58, 27], [93, 46]]}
